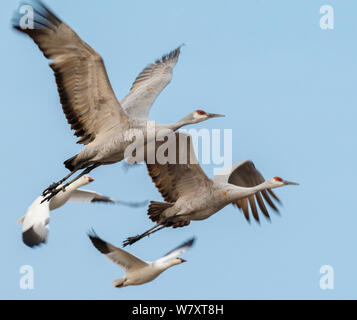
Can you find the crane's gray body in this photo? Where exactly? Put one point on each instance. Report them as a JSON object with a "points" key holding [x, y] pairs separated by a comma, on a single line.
{"points": [[190, 195]]}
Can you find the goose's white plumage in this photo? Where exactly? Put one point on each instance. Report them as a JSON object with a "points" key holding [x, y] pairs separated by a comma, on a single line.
{"points": [[138, 271], [80, 195], [35, 224]]}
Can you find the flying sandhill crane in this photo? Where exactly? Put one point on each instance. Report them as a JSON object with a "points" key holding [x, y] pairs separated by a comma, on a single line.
{"points": [[35, 224], [88, 100], [191, 195], [138, 271]]}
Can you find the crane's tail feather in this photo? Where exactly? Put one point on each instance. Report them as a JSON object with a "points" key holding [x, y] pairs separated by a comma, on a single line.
{"points": [[156, 209]]}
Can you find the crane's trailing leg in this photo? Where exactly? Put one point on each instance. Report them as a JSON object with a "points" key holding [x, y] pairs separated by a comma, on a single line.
{"points": [[52, 193], [165, 223], [131, 240]]}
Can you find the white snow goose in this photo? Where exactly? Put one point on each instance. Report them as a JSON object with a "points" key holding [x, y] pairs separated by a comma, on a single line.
{"points": [[138, 271], [35, 223]]}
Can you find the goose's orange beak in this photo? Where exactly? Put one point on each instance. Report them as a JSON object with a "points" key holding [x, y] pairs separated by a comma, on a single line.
{"points": [[90, 179]]}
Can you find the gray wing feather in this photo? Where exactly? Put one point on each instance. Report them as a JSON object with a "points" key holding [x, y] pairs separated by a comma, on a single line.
{"points": [[244, 174], [182, 178], [86, 95], [149, 84]]}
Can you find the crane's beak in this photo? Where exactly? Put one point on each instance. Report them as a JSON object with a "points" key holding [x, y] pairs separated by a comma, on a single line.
{"points": [[215, 115], [291, 183]]}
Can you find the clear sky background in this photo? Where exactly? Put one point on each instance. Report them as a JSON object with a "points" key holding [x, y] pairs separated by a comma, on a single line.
{"points": [[288, 90]]}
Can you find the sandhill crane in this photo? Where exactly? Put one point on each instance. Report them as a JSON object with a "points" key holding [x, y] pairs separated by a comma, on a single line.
{"points": [[35, 224], [191, 195], [138, 271], [88, 100]]}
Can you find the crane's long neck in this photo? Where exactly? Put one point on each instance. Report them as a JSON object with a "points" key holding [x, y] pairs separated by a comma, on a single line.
{"points": [[179, 124], [235, 193]]}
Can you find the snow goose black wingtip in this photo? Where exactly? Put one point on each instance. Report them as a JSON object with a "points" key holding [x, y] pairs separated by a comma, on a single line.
{"points": [[101, 200], [183, 247], [133, 204], [91, 233], [32, 239], [97, 242], [189, 243]]}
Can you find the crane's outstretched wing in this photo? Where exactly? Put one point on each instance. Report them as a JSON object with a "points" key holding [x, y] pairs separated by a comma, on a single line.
{"points": [[116, 255], [244, 174], [183, 177], [86, 95], [35, 223], [149, 84], [177, 251]]}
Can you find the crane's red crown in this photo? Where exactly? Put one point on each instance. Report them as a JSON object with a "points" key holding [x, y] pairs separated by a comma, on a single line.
{"points": [[278, 179], [201, 112]]}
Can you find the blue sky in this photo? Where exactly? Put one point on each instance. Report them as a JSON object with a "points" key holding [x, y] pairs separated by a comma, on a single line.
{"points": [[288, 91]]}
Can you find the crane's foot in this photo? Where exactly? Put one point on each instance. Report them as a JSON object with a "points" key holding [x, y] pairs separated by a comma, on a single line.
{"points": [[52, 187], [132, 240], [52, 194]]}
